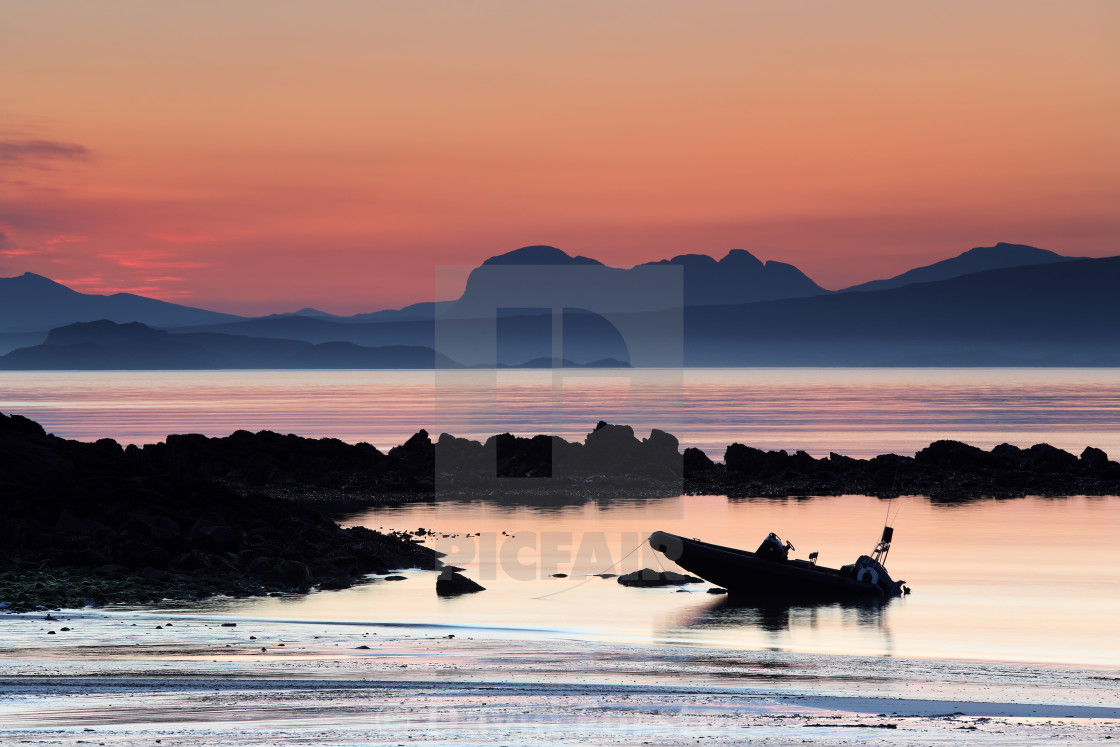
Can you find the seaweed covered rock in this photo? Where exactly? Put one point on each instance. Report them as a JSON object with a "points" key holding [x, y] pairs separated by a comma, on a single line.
{"points": [[647, 577]]}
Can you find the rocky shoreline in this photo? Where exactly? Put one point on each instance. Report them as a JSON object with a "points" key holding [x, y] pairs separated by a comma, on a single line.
{"points": [[83, 524], [612, 460], [246, 514]]}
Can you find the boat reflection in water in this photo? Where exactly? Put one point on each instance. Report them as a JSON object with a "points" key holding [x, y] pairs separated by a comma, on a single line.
{"points": [[855, 626], [777, 616]]}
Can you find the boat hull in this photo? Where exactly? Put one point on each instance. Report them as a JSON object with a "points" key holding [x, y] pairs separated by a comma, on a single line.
{"points": [[745, 575]]}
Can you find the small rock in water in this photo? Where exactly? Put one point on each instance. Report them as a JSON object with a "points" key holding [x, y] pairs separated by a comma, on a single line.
{"points": [[366, 648], [229, 625], [450, 584], [396, 578], [64, 630], [559, 575], [717, 590], [649, 577], [607, 575]]}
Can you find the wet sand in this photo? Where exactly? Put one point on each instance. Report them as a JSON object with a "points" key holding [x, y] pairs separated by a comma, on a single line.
{"points": [[133, 678]]}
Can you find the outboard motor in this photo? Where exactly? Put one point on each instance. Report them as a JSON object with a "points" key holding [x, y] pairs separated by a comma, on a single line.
{"points": [[772, 548]]}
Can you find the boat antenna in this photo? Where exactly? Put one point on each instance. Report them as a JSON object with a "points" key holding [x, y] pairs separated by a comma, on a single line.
{"points": [[879, 554]]}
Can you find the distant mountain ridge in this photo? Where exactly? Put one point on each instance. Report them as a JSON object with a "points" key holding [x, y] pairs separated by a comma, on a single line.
{"points": [[107, 345], [739, 277], [540, 254], [1034, 308], [33, 303], [979, 259], [1062, 313]]}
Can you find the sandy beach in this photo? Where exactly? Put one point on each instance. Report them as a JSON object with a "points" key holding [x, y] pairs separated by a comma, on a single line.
{"points": [[144, 678]]}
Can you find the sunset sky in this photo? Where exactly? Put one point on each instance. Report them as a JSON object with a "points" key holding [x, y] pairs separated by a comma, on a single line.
{"points": [[261, 156]]}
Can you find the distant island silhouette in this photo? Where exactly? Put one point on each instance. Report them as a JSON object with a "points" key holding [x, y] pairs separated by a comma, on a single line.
{"points": [[1003, 305]]}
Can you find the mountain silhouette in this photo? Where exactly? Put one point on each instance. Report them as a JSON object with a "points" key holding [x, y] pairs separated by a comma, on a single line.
{"points": [[1062, 313], [739, 277], [539, 255], [1045, 310], [307, 311], [980, 259], [701, 280], [33, 303], [107, 345]]}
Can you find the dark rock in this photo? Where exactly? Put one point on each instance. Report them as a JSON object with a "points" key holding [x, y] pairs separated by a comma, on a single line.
{"points": [[1047, 458], [333, 583], [717, 590], [660, 442], [696, 462], [611, 448], [1093, 459], [952, 454], [215, 533], [450, 583], [743, 459], [140, 554], [396, 578], [281, 572], [111, 571], [649, 577]]}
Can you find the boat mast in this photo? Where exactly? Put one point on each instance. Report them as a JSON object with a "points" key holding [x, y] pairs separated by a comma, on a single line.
{"points": [[884, 547]]}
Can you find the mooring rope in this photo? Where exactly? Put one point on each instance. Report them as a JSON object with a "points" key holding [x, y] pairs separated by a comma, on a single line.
{"points": [[595, 575]]}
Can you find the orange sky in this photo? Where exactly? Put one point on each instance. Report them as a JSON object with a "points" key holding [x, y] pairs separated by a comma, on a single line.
{"points": [[262, 156]]}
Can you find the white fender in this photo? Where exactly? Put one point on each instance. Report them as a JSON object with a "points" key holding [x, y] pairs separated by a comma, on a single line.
{"points": [[869, 575]]}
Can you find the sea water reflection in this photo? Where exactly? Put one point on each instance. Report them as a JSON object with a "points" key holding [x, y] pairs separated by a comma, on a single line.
{"points": [[1029, 579], [784, 617], [858, 412]]}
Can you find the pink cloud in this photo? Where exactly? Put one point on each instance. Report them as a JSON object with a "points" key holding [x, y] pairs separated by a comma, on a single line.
{"points": [[185, 238], [38, 153], [147, 259], [98, 284], [67, 238]]}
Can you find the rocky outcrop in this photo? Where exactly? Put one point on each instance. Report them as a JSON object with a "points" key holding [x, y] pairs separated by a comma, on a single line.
{"points": [[92, 511], [450, 584], [647, 577], [945, 470]]}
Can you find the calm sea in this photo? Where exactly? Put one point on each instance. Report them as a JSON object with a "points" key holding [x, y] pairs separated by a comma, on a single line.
{"points": [[858, 412], [1030, 579]]}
